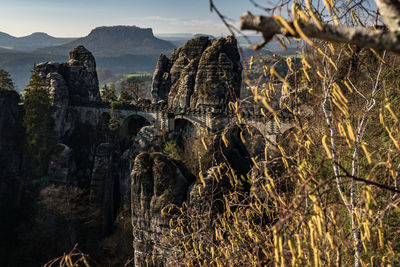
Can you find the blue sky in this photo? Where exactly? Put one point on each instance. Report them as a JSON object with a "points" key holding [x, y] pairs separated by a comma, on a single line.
{"points": [[75, 18]]}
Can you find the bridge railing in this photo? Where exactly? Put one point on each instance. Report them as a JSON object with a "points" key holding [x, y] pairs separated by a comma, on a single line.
{"points": [[247, 113]]}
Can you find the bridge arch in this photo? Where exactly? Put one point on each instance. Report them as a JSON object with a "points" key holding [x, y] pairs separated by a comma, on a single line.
{"points": [[129, 128], [186, 128]]}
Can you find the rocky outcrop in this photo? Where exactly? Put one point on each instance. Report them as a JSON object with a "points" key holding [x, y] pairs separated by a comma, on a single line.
{"points": [[59, 94], [156, 182], [79, 75], [73, 81], [218, 78], [104, 187], [146, 137], [161, 80], [203, 72], [184, 64]]}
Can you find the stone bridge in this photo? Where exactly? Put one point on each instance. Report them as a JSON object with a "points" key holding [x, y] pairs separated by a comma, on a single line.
{"points": [[205, 119]]}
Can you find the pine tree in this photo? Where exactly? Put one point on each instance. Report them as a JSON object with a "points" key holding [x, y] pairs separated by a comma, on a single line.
{"points": [[108, 94], [6, 82], [38, 123]]}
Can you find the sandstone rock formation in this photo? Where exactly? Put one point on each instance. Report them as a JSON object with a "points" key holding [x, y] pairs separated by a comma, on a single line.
{"points": [[156, 182], [161, 80], [73, 81], [201, 73], [218, 78], [104, 188], [146, 137], [79, 75], [60, 97]]}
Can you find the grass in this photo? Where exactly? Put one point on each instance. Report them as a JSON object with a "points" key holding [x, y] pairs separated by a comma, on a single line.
{"points": [[144, 74]]}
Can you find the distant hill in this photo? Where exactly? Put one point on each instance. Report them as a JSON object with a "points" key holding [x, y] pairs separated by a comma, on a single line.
{"points": [[31, 42], [119, 49], [117, 41]]}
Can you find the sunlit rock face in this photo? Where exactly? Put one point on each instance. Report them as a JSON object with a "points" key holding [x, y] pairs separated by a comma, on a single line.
{"points": [[203, 72], [218, 76], [161, 80], [156, 182]]}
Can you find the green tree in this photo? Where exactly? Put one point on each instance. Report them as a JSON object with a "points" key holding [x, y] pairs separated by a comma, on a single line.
{"points": [[38, 123], [108, 93], [6, 82]]}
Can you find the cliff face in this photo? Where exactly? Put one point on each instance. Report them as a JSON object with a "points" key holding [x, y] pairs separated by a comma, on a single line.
{"points": [[72, 81], [156, 182], [203, 72]]}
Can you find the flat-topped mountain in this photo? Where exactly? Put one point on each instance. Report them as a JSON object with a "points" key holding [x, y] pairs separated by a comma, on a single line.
{"points": [[31, 42], [116, 40], [121, 49]]}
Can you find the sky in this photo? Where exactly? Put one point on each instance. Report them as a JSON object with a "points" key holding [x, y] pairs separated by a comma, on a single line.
{"points": [[76, 18]]}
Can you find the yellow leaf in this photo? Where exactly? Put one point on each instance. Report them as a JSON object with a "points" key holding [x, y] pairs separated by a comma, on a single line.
{"points": [[328, 152], [204, 144], [285, 24], [225, 140], [367, 155], [313, 16], [251, 62], [202, 179]]}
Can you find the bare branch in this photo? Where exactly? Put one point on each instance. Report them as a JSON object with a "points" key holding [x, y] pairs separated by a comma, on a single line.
{"points": [[366, 37]]}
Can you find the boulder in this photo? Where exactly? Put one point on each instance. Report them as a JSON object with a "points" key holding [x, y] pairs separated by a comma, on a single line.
{"points": [[156, 182], [146, 137]]}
